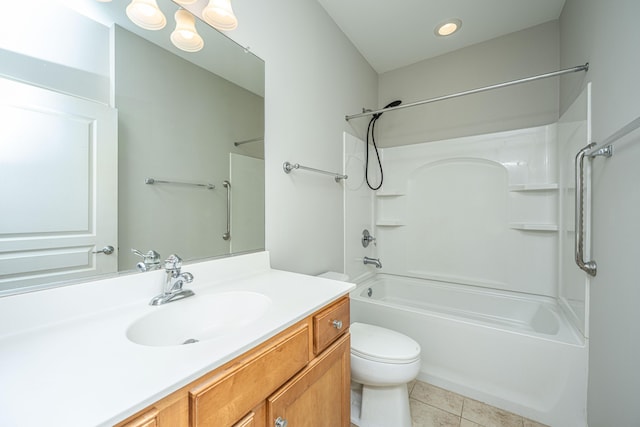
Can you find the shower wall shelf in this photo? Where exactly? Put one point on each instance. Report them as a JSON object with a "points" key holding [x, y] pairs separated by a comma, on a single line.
{"points": [[533, 227], [389, 194], [533, 187], [389, 223]]}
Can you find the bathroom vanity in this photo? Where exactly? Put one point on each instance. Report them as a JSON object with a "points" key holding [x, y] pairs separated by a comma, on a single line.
{"points": [[300, 374], [98, 354]]}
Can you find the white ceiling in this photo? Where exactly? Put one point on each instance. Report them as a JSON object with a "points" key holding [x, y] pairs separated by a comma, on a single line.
{"points": [[394, 33]]}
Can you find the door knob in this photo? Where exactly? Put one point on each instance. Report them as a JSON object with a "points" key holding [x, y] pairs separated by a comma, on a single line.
{"points": [[281, 422], [107, 250]]}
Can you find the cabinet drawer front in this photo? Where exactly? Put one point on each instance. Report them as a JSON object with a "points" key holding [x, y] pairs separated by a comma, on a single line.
{"points": [[148, 419], [226, 397], [329, 324]]}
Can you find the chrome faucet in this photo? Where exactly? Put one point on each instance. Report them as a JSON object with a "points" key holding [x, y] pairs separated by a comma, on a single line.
{"points": [[150, 260], [372, 261], [172, 290]]}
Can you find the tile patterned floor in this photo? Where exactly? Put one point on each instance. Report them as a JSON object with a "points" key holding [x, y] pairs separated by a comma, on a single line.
{"points": [[435, 407]]}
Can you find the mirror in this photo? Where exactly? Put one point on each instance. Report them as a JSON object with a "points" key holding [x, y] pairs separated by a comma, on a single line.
{"points": [[114, 137]]}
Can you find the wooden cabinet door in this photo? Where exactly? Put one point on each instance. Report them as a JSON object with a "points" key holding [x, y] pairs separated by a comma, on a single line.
{"points": [[319, 395]]}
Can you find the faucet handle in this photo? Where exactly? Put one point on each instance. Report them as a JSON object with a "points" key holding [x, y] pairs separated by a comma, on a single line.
{"points": [[151, 256], [150, 260], [173, 263]]}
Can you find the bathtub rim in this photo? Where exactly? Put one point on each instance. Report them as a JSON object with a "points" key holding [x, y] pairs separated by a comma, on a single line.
{"points": [[568, 334]]}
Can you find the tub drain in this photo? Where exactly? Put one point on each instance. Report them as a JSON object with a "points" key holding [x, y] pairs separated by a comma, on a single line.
{"points": [[369, 292], [190, 341]]}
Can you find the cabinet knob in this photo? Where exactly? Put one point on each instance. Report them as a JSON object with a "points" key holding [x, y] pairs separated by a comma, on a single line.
{"points": [[337, 324], [281, 422]]}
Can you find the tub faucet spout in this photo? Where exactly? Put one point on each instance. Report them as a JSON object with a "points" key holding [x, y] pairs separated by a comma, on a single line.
{"points": [[372, 261]]}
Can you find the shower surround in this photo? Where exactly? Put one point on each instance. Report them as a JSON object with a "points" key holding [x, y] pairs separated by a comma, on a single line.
{"points": [[474, 237]]}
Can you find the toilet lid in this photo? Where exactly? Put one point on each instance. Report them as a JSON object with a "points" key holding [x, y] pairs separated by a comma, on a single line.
{"points": [[382, 345]]}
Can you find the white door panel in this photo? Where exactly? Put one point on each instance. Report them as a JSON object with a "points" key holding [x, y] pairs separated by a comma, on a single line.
{"points": [[58, 184]]}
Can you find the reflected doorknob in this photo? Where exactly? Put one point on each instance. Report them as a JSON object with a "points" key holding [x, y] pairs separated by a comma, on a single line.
{"points": [[107, 250]]}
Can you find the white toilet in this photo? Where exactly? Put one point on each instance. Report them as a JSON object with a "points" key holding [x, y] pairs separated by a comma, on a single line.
{"points": [[382, 363]]}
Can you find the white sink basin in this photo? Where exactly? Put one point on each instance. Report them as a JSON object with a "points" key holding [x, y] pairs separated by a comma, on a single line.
{"points": [[198, 318]]}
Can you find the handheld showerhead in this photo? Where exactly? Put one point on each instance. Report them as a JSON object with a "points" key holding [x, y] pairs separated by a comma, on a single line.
{"points": [[371, 131], [393, 104], [389, 105]]}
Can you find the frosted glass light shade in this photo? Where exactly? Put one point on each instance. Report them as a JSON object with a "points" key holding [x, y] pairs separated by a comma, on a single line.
{"points": [[185, 36], [146, 14], [218, 14]]}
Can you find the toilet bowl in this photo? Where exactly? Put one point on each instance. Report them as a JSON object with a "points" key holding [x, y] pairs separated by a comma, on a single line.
{"points": [[382, 363]]}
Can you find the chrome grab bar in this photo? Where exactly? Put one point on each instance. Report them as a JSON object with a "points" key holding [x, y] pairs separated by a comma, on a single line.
{"points": [[226, 184], [589, 267]]}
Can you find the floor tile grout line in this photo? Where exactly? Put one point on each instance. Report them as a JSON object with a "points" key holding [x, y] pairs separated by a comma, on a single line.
{"points": [[436, 407], [461, 417]]}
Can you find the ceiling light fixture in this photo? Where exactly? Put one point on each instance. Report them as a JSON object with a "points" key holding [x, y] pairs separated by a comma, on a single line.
{"points": [[447, 27], [185, 36], [218, 14], [146, 14]]}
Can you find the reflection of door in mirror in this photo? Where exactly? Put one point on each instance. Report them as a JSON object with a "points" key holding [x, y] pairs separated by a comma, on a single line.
{"points": [[58, 182]]}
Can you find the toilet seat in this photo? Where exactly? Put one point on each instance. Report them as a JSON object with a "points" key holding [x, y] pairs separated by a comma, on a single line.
{"points": [[382, 345]]}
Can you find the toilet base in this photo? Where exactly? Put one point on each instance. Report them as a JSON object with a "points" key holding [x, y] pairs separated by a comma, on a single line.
{"points": [[380, 406]]}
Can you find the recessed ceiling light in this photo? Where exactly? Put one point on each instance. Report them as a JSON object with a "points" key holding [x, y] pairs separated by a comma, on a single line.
{"points": [[447, 27]]}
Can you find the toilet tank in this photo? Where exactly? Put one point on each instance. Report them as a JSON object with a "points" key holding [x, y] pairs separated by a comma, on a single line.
{"points": [[334, 275]]}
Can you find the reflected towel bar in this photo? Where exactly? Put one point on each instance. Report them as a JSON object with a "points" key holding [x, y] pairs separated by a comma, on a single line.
{"points": [[288, 167], [152, 181], [248, 141]]}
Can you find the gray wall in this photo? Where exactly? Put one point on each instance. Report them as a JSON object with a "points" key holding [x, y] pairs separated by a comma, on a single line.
{"points": [[514, 56], [607, 35], [314, 77]]}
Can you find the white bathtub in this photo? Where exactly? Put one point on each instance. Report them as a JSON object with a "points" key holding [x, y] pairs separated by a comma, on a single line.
{"points": [[514, 351]]}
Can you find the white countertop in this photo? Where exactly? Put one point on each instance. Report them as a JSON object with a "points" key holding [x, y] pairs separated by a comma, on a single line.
{"points": [[65, 359]]}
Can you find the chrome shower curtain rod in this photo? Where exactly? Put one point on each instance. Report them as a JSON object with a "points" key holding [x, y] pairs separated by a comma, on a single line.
{"points": [[584, 67]]}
